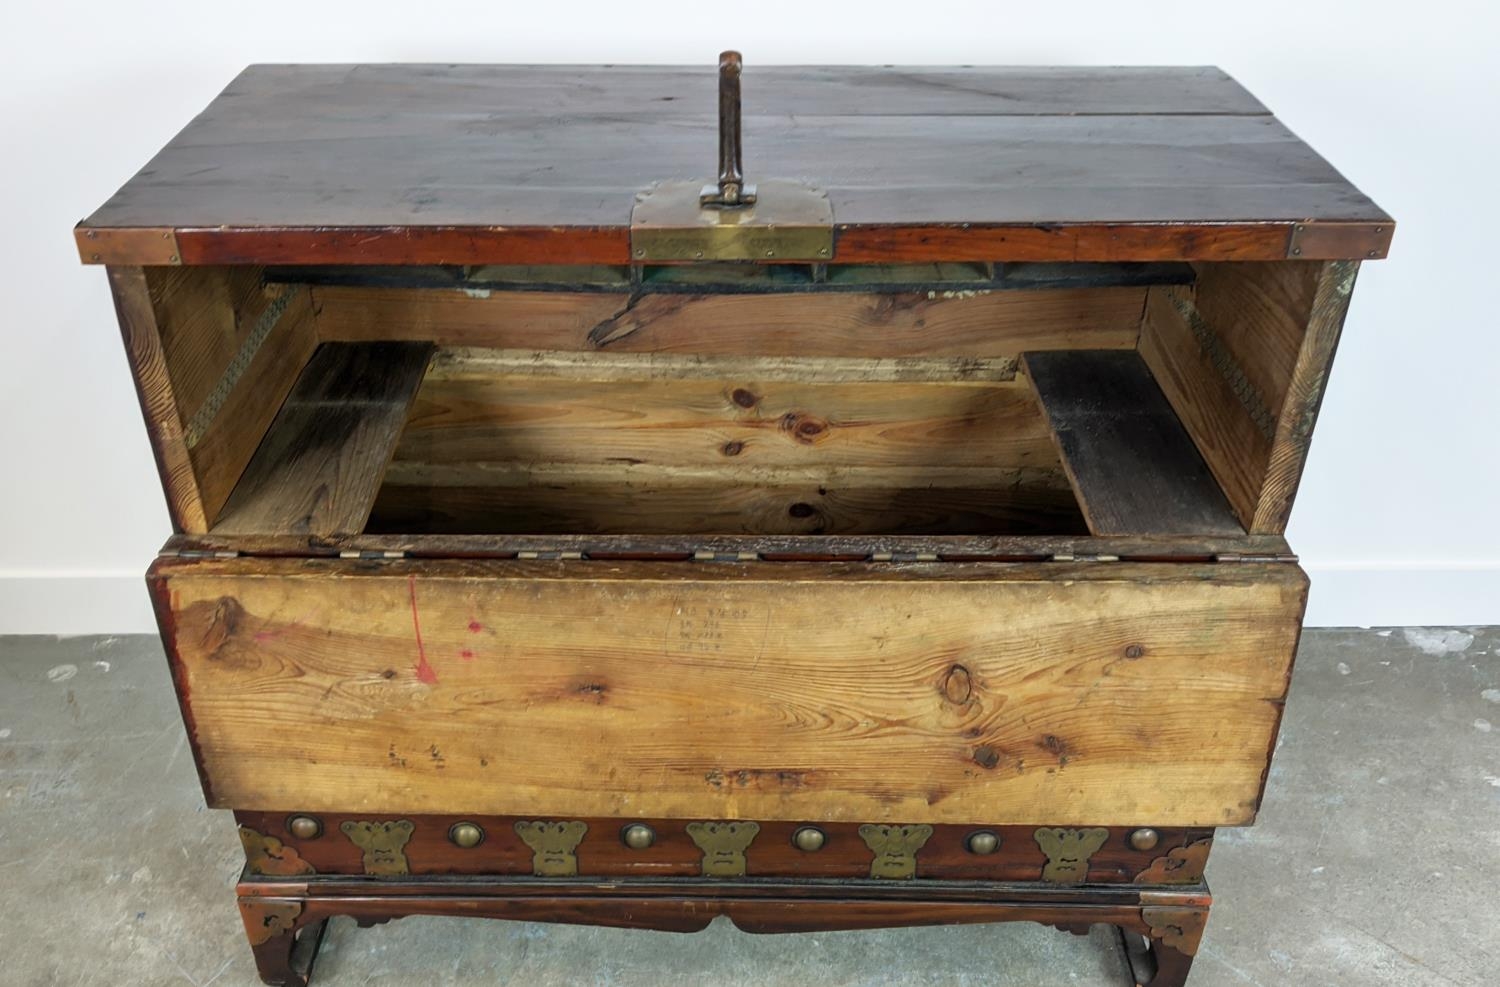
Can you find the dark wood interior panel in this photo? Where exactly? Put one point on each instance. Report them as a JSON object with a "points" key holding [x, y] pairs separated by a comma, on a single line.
{"points": [[1133, 467], [322, 460], [553, 499]]}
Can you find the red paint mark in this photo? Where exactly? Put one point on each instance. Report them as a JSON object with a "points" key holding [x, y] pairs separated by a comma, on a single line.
{"points": [[425, 673], [466, 655], [475, 627]]}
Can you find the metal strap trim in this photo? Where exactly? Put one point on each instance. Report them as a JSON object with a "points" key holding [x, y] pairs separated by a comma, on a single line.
{"points": [[1225, 363], [214, 403]]}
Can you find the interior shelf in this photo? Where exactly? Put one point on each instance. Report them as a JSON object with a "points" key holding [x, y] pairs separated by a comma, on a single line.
{"points": [[1133, 467], [321, 464]]}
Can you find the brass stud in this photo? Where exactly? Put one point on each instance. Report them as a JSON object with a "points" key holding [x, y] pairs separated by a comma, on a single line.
{"points": [[466, 835], [983, 843], [809, 839], [638, 836], [1145, 839], [305, 827]]}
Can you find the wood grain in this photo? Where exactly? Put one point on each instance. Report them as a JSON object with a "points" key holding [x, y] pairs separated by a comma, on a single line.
{"points": [[1230, 440], [517, 164], [622, 442], [634, 688], [795, 413], [1303, 394], [321, 463], [224, 450], [971, 324], [782, 548], [1133, 467], [153, 383], [1243, 355], [205, 316]]}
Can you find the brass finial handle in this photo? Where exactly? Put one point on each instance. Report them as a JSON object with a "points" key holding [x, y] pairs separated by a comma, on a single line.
{"points": [[731, 191]]}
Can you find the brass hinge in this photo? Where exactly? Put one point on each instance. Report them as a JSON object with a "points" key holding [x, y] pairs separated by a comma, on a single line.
{"points": [[1254, 557], [709, 555]]}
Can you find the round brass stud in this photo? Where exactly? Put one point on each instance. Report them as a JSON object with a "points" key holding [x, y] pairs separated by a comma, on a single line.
{"points": [[638, 836], [305, 827], [1145, 839], [984, 842], [466, 835], [809, 839]]}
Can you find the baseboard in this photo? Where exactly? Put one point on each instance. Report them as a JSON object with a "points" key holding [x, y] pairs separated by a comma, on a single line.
{"points": [[1403, 594], [1352, 595], [53, 602]]}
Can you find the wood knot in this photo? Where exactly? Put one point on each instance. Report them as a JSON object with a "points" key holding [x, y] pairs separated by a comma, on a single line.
{"points": [[958, 685], [1134, 651], [802, 510], [744, 398], [733, 448], [802, 428], [986, 757]]}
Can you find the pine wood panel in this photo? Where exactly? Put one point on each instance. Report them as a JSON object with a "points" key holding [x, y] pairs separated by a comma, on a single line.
{"points": [[205, 315], [1304, 394], [153, 383], [1131, 462], [321, 463], [1243, 355], [224, 450], [1087, 694], [978, 324], [1233, 445], [710, 414]]}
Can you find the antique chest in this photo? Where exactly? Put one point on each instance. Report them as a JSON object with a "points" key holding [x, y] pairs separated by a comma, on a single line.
{"points": [[603, 498]]}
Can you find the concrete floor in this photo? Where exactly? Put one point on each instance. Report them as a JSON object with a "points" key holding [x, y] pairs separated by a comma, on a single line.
{"points": [[1376, 860]]}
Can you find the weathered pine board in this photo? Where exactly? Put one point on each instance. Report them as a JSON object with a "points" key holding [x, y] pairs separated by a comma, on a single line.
{"points": [[252, 381], [1198, 381], [566, 499], [1087, 694], [712, 412], [975, 324], [793, 548], [1304, 395], [153, 383], [1243, 355], [320, 465], [1132, 464]]}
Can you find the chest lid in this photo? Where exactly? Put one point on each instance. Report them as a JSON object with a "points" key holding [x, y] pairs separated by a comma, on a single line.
{"points": [[509, 164]]}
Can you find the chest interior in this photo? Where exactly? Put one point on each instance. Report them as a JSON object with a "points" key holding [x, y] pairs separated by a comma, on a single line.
{"points": [[958, 399]]}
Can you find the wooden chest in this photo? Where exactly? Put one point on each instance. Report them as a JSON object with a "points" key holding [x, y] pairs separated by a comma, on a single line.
{"points": [[884, 530]]}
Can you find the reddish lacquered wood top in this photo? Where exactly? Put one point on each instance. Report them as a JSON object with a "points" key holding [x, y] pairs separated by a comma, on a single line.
{"points": [[471, 164]]}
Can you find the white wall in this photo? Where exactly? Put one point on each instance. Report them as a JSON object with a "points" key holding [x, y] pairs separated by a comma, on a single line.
{"points": [[1396, 519]]}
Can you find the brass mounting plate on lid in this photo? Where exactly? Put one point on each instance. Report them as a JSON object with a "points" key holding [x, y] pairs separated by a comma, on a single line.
{"points": [[789, 223]]}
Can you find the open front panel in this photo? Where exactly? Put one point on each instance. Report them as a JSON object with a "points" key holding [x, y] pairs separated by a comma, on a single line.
{"points": [[937, 401], [1070, 694]]}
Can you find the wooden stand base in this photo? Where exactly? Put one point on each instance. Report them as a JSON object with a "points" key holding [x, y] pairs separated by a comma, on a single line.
{"points": [[1160, 930]]}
